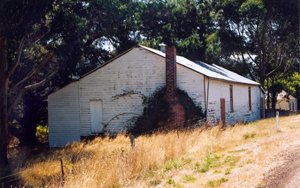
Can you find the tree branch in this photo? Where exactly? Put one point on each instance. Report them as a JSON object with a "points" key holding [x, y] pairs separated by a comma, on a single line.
{"points": [[250, 56], [42, 82], [277, 60], [249, 71], [40, 37], [33, 71], [18, 62], [272, 71], [21, 91]]}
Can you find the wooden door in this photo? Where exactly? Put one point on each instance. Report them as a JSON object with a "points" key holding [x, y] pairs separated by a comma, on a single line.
{"points": [[222, 106], [96, 116]]}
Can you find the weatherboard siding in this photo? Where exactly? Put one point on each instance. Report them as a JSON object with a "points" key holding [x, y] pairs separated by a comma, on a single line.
{"points": [[192, 83], [122, 85], [63, 116], [241, 113]]}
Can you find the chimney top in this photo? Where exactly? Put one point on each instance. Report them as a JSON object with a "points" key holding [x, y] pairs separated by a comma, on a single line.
{"points": [[162, 47], [170, 72]]}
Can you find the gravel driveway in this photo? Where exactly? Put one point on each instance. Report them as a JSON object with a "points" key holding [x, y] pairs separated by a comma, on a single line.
{"points": [[286, 175]]}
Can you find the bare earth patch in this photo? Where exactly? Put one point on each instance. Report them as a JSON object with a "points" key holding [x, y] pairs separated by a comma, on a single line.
{"points": [[287, 174]]}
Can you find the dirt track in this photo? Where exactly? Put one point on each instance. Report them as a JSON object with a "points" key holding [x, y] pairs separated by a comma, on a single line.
{"points": [[286, 175]]}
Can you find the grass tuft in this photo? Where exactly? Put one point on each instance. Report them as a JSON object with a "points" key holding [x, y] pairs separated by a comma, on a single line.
{"points": [[211, 161], [228, 171], [189, 178], [155, 182], [249, 135], [238, 151], [231, 160], [216, 183], [171, 182], [175, 164]]}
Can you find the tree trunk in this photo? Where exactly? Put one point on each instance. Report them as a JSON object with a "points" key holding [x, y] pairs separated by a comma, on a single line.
{"points": [[262, 67], [273, 95], [3, 103], [268, 95], [33, 105]]}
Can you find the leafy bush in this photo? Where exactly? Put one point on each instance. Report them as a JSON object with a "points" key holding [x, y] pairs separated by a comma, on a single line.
{"points": [[42, 133], [157, 112]]}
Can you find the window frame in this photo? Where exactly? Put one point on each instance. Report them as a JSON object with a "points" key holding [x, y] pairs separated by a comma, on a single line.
{"points": [[249, 99], [231, 97]]}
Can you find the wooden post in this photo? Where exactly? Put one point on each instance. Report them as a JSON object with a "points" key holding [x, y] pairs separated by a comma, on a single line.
{"points": [[277, 120], [62, 171], [222, 106], [132, 140]]}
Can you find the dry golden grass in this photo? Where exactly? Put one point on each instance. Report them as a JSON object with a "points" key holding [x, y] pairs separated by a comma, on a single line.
{"points": [[113, 163]]}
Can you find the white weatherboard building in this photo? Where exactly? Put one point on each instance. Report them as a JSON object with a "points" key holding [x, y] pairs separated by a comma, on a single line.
{"points": [[286, 102], [108, 98]]}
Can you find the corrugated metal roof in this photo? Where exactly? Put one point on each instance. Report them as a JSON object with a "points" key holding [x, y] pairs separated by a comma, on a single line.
{"points": [[212, 71]]}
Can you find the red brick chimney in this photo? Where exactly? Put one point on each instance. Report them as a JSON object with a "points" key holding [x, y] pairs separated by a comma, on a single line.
{"points": [[171, 73], [177, 118]]}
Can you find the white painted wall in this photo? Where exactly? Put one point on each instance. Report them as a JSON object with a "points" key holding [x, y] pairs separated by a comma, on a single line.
{"points": [[220, 89], [193, 83], [139, 73], [63, 116]]}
